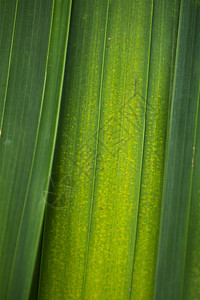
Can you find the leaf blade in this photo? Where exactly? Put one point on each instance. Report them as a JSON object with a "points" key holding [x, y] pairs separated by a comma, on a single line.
{"points": [[35, 139], [176, 205], [163, 47], [74, 169]]}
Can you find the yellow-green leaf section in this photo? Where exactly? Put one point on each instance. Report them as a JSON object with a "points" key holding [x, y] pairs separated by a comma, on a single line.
{"points": [[163, 49], [114, 112], [91, 220]]}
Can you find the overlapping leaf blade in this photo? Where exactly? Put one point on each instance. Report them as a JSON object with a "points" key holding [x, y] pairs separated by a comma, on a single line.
{"points": [[180, 159], [29, 116]]}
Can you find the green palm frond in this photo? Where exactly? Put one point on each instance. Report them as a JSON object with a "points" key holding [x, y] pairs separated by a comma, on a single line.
{"points": [[116, 180]]}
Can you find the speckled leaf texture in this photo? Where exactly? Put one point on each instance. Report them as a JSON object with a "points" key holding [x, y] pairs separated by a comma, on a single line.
{"points": [[103, 211]]}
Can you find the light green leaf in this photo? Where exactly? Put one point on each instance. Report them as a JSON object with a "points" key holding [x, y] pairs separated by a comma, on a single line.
{"points": [[91, 219], [116, 60], [163, 47]]}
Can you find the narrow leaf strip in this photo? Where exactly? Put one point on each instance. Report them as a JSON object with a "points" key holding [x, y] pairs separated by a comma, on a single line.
{"points": [[8, 17], [163, 46], [179, 163], [30, 123], [192, 267]]}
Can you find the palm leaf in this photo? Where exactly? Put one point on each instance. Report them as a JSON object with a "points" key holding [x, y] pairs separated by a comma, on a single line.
{"points": [[127, 146]]}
